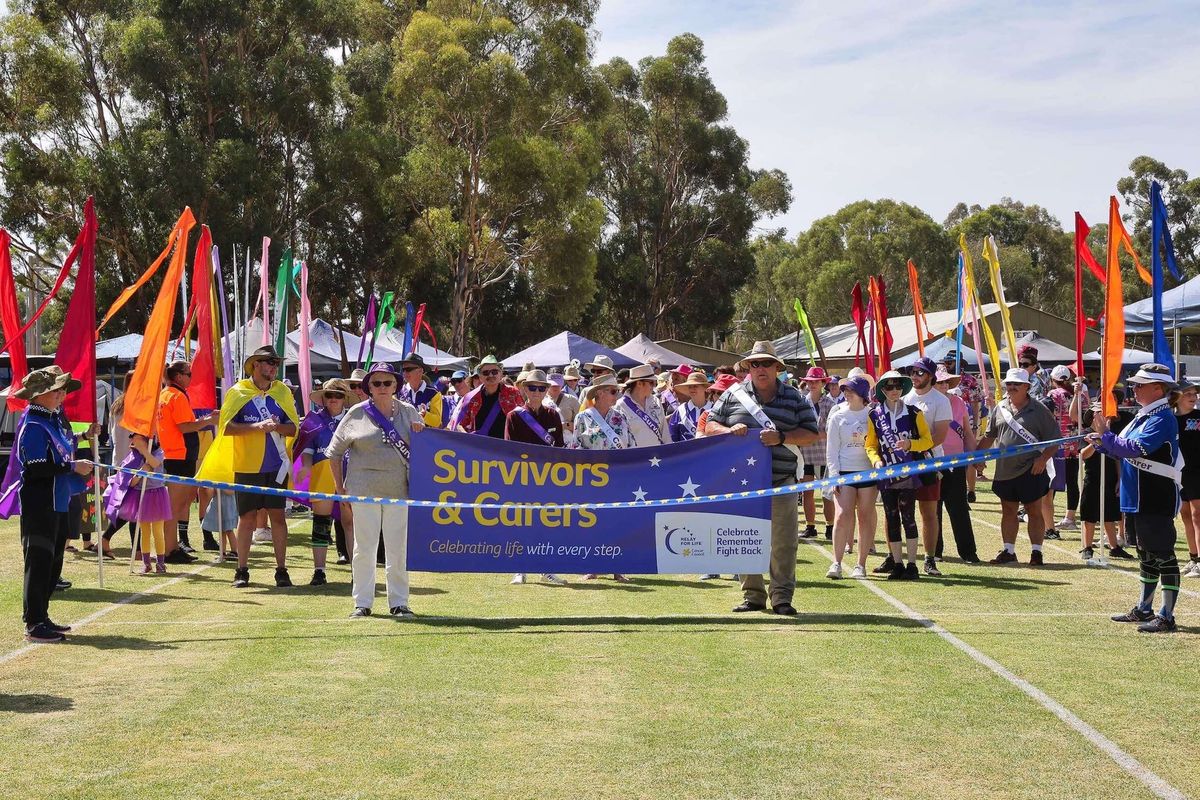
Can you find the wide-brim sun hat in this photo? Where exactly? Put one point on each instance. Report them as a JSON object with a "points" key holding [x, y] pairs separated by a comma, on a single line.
{"points": [[892, 375], [696, 378], [534, 376], [602, 362], [46, 379], [603, 382], [946, 376], [264, 353], [762, 350], [331, 385], [1152, 373], [724, 383], [859, 385], [816, 374], [859, 372], [642, 372]]}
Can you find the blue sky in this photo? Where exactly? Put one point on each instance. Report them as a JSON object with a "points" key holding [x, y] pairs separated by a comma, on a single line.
{"points": [[933, 102]]}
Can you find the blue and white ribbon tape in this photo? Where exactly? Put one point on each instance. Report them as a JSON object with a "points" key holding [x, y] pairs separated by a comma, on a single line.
{"points": [[899, 471]]}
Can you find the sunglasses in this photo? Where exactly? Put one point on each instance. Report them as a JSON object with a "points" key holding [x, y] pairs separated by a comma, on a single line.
{"points": [[382, 384], [760, 364], [408, 369], [1014, 385], [270, 362], [1027, 363], [355, 384], [917, 372], [891, 386], [490, 373], [335, 396], [530, 387], [608, 391], [457, 380]]}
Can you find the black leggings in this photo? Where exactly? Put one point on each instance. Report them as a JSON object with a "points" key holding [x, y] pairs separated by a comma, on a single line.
{"points": [[899, 507], [115, 524], [1072, 485]]}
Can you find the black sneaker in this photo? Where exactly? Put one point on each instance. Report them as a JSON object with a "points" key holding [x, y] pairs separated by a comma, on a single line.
{"points": [[282, 579], [896, 573], [401, 611], [44, 634], [241, 577], [911, 573], [54, 626], [784, 609], [360, 612], [886, 567], [1052, 535], [1159, 624], [1134, 614], [318, 578], [210, 542], [178, 556], [1087, 554], [970, 497], [810, 532], [187, 547], [829, 533], [1035, 559], [1004, 557], [62, 585], [746, 605], [931, 568], [1120, 552]]}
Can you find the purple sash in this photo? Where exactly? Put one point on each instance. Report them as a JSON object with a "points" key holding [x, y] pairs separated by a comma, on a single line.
{"points": [[883, 422], [958, 428], [642, 415], [390, 434], [491, 417], [460, 407], [534, 426], [466, 401]]}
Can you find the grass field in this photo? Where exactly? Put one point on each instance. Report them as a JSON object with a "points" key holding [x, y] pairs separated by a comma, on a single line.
{"points": [[654, 689]]}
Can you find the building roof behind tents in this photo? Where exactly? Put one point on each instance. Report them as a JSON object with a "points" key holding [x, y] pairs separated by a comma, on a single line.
{"points": [[642, 349], [698, 354]]}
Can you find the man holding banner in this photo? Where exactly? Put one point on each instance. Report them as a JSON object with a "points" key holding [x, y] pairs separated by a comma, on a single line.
{"points": [[1151, 469], [784, 421]]}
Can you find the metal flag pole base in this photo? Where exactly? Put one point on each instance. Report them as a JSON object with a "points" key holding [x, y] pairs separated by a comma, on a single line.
{"points": [[1097, 561], [96, 514], [220, 559]]}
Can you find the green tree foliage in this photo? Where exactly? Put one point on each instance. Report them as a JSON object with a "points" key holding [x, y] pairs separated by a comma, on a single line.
{"points": [[863, 239], [762, 312], [1181, 195], [681, 198], [494, 105]]}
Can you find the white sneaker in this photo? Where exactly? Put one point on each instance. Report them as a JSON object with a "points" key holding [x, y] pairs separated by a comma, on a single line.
{"points": [[1192, 570], [553, 579], [518, 578], [858, 572], [261, 536], [835, 571], [1066, 524]]}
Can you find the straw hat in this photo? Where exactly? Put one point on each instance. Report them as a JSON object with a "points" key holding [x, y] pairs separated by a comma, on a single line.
{"points": [[571, 373], [535, 376], [603, 362], [696, 378], [264, 353], [761, 350], [331, 385], [603, 382], [642, 372]]}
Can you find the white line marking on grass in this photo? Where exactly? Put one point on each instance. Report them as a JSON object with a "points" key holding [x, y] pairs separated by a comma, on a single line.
{"points": [[95, 615], [1109, 566], [1150, 780]]}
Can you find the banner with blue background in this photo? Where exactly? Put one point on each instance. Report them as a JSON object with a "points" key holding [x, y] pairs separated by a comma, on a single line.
{"points": [[723, 537]]}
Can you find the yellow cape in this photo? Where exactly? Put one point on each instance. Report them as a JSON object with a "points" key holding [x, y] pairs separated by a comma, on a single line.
{"points": [[225, 450]]}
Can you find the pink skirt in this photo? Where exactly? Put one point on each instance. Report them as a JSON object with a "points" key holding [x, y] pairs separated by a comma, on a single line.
{"points": [[155, 505]]}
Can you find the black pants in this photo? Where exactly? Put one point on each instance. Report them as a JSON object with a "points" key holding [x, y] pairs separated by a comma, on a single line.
{"points": [[954, 500], [899, 512], [43, 542], [1072, 485]]}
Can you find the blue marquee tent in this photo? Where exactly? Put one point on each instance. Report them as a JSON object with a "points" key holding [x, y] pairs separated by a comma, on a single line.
{"points": [[560, 349]]}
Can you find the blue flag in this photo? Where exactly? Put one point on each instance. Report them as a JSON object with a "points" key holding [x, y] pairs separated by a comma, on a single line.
{"points": [[1160, 240], [688, 538]]}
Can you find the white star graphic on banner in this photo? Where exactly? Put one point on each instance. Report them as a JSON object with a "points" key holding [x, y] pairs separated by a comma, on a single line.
{"points": [[752, 461], [654, 462], [689, 488], [744, 481], [639, 495], [733, 469]]}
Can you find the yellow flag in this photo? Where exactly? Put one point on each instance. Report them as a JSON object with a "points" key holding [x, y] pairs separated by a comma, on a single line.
{"points": [[992, 257], [973, 299]]}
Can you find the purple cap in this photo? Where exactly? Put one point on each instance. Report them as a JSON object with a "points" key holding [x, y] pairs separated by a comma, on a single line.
{"points": [[860, 386], [558, 380], [924, 363], [381, 366]]}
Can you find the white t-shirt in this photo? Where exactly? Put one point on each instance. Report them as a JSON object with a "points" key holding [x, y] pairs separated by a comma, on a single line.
{"points": [[845, 445], [936, 408]]}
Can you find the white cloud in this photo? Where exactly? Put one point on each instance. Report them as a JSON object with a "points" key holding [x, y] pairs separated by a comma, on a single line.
{"points": [[935, 102]]}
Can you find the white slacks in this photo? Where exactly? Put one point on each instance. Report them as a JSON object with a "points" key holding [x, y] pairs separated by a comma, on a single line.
{"points": [[369, 522]]}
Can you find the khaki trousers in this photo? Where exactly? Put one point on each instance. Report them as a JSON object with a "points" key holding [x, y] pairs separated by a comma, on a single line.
{"points": [[784, 529]]}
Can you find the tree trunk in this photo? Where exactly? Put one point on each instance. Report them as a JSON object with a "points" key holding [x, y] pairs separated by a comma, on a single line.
{"points": [[460, 305]]}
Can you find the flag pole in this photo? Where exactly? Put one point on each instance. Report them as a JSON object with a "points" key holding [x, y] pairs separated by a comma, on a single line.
{"points": [[1102, 561], [99, 509]]}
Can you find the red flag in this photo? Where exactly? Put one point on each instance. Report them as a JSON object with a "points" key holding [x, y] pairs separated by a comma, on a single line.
{"points": [[859, 314], [202, 392], [10, 318], [77, 342], [418, 318], [1083, 255]]}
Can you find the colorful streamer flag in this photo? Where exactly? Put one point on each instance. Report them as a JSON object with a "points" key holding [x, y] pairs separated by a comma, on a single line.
{"points": [[225, 362], [282, 278], [992, 256], [368, 325], [979, 321], [1160, 241], [877, 290], [263, 298], [858, 313], [422, 324], [919, 318], [202, 392], [1083, 256], [305, 355], [10, 320], [1113, 341], [141, 399], [385, 321], [408, 328], [809, 336], [76, 344]]}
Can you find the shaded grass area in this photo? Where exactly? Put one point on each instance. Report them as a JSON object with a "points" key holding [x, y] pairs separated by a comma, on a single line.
{"points": [[599, 689]]}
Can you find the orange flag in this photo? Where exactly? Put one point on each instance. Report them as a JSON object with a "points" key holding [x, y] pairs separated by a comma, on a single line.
{"points": [[1117, 233], [1113, 343], [129, 291], [919, 318], [141, 399]]}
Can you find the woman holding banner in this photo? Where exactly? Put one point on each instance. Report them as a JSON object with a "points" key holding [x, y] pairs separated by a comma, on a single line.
{"points": [[600, 426], [376, 434]]}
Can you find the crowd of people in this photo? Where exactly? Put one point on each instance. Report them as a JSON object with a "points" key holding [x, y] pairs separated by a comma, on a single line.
{"points": [[355, 436]]}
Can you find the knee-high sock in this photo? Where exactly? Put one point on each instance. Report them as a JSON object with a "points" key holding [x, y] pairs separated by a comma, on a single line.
{"points": [[182, 528], [1149, 576], [1168, 570]]}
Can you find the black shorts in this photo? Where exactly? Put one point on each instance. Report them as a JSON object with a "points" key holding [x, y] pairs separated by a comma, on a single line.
{"points": [[248, 502], [1191, 487], [183, 467], [1154, 533], [814, 470], [1024, 488]]}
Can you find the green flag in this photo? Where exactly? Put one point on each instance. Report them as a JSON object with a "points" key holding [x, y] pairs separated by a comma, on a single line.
{"points": [[283, 280], [384, 322], [802, 318]]}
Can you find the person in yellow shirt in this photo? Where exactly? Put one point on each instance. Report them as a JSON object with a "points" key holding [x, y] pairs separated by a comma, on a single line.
{"points": [[417, 392]]}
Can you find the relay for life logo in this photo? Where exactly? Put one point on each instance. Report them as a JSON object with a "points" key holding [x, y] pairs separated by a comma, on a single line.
{"points": [[697, 541]]}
